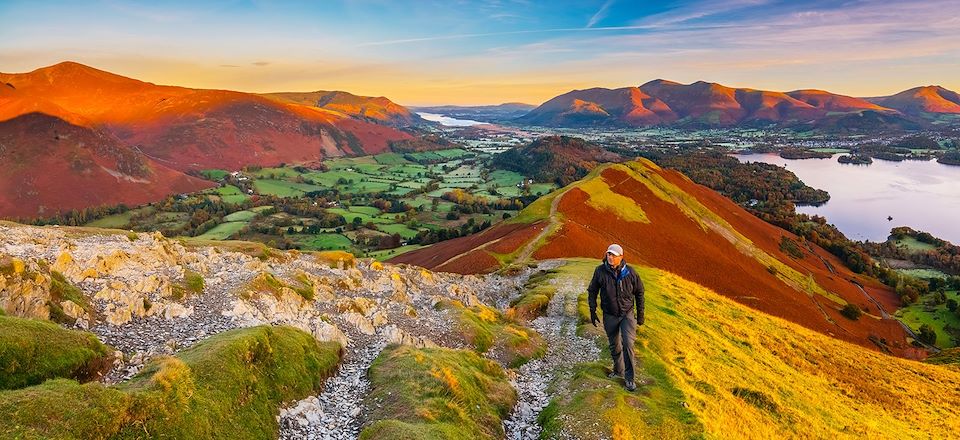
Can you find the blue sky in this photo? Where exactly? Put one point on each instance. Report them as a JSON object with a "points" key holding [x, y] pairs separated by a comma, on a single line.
{"points": [[481, 52]]}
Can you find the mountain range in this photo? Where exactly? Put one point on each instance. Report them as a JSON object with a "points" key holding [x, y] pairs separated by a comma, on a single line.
{"points": [[706, 104], [108, 139], [79, 136]]}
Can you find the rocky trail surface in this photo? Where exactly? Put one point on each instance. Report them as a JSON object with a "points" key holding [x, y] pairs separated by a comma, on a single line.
{"points": [[539, 380]]}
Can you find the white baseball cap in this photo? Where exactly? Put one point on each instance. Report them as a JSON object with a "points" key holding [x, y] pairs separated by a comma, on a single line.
{"points": [[615, 249]]}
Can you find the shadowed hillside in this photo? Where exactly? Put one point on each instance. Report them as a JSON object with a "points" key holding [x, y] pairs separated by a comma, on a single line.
{"points": [[51, 166]]}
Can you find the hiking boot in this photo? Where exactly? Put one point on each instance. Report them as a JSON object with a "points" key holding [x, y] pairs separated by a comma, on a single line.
{"points": [[614, 375], [631, 386]]}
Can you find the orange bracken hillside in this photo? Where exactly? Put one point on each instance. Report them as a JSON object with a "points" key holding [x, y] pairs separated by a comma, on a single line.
{"points": [[51, 166], [664, 220], [706, 104], [920, 100], [193, 128], [375, 109], [72, 137]]}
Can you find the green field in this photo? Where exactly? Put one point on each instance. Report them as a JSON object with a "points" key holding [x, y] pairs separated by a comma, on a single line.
{"points": [[396, 228], [913, 244], [943, 321], [230, 194], [223, 231], [924, 273], [365, 218], [283, 188], [115, 221], [322, 241], [214, 174], [240, 216]]}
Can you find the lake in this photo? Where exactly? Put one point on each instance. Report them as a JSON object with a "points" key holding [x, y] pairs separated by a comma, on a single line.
{"points": [[924, 195], [448, 121]]}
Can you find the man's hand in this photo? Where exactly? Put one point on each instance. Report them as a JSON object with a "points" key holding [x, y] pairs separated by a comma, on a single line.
{"points": [[593, 318], [639, 320]]}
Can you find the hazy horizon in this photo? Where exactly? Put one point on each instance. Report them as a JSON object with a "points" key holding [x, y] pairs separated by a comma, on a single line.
{"points": [[491, 52]]}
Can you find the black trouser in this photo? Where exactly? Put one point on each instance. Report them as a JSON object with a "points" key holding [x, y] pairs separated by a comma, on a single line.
{"points": [[621, 333]]}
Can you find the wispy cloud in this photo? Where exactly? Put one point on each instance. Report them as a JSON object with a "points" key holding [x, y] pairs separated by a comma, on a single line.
{"points": [[600, 14]]}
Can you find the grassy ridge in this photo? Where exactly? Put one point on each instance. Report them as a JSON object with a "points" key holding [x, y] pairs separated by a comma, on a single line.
{"points": [[437, 393], [228, 386], [32, 351], [745, 374], [713, 368]]}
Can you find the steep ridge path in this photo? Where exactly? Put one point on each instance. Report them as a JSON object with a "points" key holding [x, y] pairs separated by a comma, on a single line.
{"points": [[550, 228], [539, 380]]}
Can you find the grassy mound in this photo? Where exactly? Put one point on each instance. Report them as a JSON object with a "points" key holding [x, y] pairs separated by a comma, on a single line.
{"points": [[488, 330], [32, 351], [536, 295], [437, 393], [228, 386]]}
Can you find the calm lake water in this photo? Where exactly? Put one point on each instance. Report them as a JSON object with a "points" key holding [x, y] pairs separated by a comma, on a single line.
{"points": [[448, 121], [922, 195]]}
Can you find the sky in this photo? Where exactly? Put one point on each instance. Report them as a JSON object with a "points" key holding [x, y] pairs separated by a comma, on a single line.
{"points": [[488, 52]]}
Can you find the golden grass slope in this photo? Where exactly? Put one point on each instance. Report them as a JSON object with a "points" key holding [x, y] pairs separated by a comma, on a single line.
{"points": [[746, 374]]}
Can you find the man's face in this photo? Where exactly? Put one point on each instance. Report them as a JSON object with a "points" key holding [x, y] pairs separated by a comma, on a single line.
{"points": [[614, 259]]}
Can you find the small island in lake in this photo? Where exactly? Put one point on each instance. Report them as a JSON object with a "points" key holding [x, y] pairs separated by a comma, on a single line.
{"points": [[855, 159], [799, 153]]}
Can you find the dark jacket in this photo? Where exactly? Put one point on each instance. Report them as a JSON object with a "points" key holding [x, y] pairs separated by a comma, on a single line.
{"points": [[619, 289]]}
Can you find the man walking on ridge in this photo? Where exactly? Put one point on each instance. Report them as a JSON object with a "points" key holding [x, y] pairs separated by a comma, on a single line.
{"points": [[620, 289]]}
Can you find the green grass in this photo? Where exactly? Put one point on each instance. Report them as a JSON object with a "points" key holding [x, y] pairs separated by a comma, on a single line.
{"points": [[390, 159], [924, 273], [398, 228], [32, 351], [594, 406], [944, 322], [228, 386], [283, 188], [914, 245], [321, 241], [535, 296], [214, 174], [505, 178], [365, 218], [276, 173], [115, 221], [390, 253], [368, 210], [230, 194], [223, 231], [437, 393], [240, 216], [62, 290], [488, 330]]}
